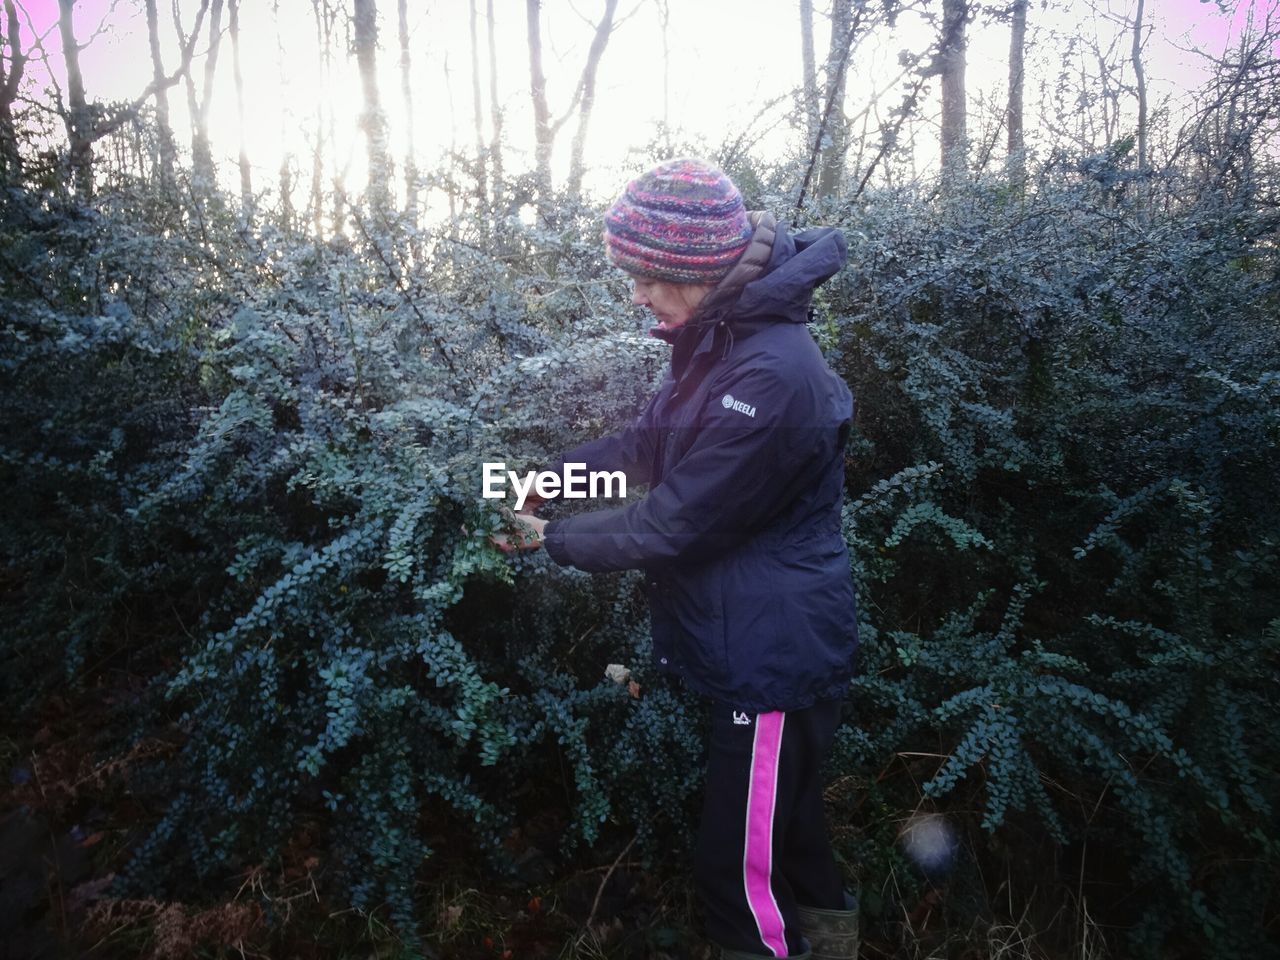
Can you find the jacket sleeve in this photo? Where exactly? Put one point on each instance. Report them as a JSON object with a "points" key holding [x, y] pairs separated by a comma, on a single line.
{"points": [[630, 450], [739, 471]]}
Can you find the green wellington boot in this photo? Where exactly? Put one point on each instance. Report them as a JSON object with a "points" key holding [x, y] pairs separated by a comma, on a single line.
{"points": [[832, 934], [727, 954]]}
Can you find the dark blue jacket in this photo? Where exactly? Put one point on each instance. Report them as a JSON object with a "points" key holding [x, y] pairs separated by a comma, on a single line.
{"points": [[743, 448]]}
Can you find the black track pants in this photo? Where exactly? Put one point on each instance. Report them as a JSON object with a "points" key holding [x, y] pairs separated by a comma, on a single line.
{"points": [[762, 843]]}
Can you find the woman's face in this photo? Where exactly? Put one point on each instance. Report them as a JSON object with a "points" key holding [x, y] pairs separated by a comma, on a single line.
{"points": [[671, 303]]}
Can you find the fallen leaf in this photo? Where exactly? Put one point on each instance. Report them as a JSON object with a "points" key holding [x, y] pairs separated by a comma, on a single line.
{"points": [[634, 689]]}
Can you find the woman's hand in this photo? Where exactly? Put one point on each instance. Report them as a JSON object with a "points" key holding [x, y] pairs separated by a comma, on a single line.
{"points": [[525, 532]]}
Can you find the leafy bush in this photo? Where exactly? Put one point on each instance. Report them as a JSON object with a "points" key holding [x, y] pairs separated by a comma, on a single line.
{"points": [[246, 466], [1071, 587]]}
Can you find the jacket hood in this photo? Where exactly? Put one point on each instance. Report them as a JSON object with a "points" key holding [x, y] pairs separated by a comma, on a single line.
{"points": [[800, 262], [772, 283]]}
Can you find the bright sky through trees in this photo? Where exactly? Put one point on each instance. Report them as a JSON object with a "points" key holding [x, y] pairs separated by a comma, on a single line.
{"points": [[732, 69]]}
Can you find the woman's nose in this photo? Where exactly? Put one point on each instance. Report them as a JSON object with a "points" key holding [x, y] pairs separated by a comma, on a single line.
{"points": [[637, 298]]}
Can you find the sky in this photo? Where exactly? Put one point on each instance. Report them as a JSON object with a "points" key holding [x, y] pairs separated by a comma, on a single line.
{"points": [[727, 60]]}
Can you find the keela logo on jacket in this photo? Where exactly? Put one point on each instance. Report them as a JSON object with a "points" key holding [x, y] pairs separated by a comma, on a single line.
{"points": [[729, 403], [740, 718]]}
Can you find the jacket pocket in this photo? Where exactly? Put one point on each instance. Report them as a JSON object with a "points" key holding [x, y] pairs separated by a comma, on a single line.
{"points": [[692, 600]]}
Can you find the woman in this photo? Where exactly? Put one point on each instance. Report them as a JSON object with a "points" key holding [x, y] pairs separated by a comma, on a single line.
{"points": [[748, 575]]}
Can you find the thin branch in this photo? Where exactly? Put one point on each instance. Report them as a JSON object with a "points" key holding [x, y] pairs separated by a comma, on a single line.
{"points": [[38, 44], [394, 274], [586, 81], [17, 60], [155, 86], [826, 117], [102, 27], [891, 137], [595, 904]]}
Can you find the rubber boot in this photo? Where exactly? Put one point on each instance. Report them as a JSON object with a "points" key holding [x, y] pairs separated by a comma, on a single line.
{"points": [[832, 934]]}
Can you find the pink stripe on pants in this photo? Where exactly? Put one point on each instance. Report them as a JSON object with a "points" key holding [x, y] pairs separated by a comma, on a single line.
{"points": [[757, 854]]}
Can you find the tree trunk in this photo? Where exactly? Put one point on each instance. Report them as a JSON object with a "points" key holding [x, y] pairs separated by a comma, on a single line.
{"points": [[286, 195], [325, 20], [495, 106], [373, 119], [1141, 83], [583, 100], [598, 44], [164, 131], [664, 17], [168, 150], [477, 111], [285, 174], [834, 132], [810, 77], [952, 62], [246, 179], [406, 91], [317, 150], [201, 150], [543, 136], [189, 82], [84, 124], [1016, 165], [76, 119], [10, 83]]}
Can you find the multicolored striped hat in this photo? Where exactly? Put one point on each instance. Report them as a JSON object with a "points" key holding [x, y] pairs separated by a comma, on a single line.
{"points": [[683, 221]]}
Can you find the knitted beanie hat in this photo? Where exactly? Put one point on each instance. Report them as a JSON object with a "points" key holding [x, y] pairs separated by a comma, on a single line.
{"points": [[683, 221]]}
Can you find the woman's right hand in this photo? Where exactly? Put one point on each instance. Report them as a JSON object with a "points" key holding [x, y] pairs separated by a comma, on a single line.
{"points": [[525, 531]]}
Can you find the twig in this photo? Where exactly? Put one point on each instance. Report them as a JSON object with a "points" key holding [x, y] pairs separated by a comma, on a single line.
{"points": [[394, 274], [835, 84], [595, 905]]}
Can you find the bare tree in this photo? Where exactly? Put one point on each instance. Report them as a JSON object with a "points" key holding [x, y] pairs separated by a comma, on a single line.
{"points": [[951, 65], [164, 129], [246, 179], [495, 105], [285, 173], [1140, 81], [373, 119], [543, 132], [664, 20], [809, 91], [317, 149], [588, 95], [406, 91], [1236, 115], [201, 149], [477, 110], [87, 123], [326, 17], [10, 82], [829, 133], [1016, 165], [77, 119], [834, 126], [545, 129]]}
